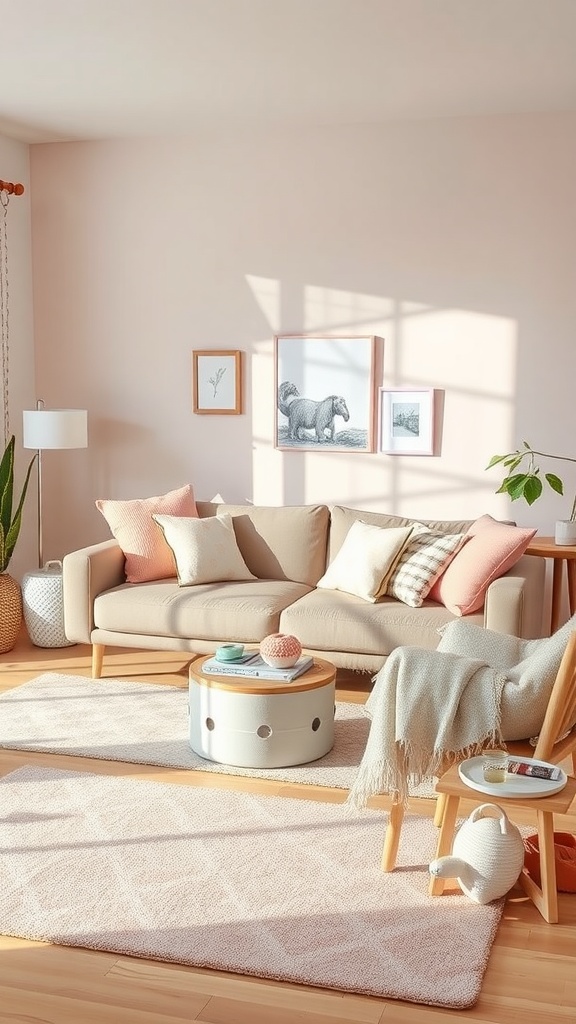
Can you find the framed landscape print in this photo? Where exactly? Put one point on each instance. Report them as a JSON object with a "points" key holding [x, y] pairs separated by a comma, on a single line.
{"points": [[217, 382], [324, 391], [406, 421]]}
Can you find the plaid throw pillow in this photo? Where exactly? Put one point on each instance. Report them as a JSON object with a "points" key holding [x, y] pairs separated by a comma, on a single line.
{"points": [[422, 562]]}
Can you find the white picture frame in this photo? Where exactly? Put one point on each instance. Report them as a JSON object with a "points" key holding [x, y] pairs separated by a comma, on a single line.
{"points": [[406, 421]]}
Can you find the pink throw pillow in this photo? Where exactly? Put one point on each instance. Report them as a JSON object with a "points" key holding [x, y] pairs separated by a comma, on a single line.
{"points": [[147, 554], [493, 548]]}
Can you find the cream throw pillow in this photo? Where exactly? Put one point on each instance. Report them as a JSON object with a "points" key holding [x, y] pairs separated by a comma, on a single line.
{"points": [[365, 560], [205, 550]]}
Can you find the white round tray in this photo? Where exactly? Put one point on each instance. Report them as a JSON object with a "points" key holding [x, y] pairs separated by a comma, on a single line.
{"points": [[525, 786]]}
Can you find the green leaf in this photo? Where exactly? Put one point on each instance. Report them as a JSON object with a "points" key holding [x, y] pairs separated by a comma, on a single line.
{"points": [[516, 485], [7, 485], [513, 463], [555, 483], [532, 489], [10, 525], [496, 459]]}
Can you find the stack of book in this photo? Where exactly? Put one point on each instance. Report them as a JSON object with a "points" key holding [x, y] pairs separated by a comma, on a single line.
{"points": [[253, 666]]}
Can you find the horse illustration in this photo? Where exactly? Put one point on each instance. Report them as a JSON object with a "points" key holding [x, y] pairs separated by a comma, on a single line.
{"points": [[307, 414]]}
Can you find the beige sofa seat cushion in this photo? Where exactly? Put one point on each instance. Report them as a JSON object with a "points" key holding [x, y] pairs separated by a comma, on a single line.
{"points": [[240, 611], [287, 542], [341, 519], [330, 620]]}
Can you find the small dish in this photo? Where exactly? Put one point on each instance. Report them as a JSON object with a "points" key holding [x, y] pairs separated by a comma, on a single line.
{"points": [[471, 772]]}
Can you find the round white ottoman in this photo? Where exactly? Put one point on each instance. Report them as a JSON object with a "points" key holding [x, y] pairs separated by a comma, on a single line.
{"points": [[260, 723]]}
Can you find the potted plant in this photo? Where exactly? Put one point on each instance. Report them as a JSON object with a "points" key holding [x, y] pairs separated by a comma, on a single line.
{"points": [[10, 594], [528, 484]]}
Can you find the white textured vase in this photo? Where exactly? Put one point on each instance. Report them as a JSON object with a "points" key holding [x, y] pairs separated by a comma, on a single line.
{"points": [[565, 532]]}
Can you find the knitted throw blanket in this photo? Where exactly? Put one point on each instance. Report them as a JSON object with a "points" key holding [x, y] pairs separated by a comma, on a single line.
{"points": [[425, 706]]}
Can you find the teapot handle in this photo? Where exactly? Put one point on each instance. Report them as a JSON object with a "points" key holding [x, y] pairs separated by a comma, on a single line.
{"points": [[504, 820]]}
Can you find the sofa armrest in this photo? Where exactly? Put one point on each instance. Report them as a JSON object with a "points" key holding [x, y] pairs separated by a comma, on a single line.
{"points": [[85, 574], [514, 603]]}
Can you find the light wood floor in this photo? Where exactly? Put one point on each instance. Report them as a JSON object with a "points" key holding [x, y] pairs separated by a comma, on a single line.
{"points": [[532, 969]]}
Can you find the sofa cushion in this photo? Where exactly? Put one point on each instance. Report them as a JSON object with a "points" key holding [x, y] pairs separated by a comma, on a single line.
{"points": [[424, 558], [205, 550], [330, 620], [242, 612], [147, 555], [492, 549], [279, 543], [341, 519], [365, 560]]}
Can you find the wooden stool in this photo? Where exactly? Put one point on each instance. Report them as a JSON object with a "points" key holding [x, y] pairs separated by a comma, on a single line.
{"points": [[451, 790]]}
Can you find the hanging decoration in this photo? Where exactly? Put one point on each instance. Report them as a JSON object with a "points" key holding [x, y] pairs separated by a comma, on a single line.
{"points": [[7, 189]]}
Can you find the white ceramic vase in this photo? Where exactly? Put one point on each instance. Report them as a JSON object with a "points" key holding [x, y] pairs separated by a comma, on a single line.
{"points": [[565, 532]]}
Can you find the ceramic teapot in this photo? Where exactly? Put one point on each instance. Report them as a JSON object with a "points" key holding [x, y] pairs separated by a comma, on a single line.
{"points": [[487, 855]]}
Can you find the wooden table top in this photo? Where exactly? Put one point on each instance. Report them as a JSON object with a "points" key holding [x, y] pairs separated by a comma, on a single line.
{"points": [[320, 674], [547, 548]]}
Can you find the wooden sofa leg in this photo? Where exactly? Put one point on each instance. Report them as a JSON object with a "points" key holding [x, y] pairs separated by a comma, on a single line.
{"points": [[97, 659], [392, 837]]}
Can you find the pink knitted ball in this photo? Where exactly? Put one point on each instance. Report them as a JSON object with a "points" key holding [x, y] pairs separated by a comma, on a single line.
{"points": [[280, 650]]}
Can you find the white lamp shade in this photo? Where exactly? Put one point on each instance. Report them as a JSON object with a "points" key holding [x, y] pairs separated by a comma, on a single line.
{"points": [[55, 428]]}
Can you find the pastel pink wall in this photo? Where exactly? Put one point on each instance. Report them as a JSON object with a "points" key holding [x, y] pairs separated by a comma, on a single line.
{"points": [[453, 240], [14, 166]]}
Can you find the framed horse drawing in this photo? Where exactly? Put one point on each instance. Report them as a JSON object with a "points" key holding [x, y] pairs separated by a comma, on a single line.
{"points": [[324, 386]]}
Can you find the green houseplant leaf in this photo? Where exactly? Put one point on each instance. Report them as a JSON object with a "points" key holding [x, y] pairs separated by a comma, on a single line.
{"points": [[10, 524], [528, 484]]}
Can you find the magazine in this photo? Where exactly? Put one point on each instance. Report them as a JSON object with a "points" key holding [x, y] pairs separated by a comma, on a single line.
{"points": [[256, 668]]}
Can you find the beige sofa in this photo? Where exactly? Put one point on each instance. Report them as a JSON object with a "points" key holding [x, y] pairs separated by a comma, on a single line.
{"points": [[287, 549]]}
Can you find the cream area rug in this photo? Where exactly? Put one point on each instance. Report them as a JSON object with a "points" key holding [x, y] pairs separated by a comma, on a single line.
{"points": [[268, 886], [120, 720]]}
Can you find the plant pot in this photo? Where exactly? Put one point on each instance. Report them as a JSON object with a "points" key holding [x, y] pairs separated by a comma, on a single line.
{"points": [[10, 612], [565, 532]]}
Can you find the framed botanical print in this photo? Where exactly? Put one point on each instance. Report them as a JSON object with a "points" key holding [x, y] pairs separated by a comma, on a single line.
{"points": [[324, 393], [217, 382]]}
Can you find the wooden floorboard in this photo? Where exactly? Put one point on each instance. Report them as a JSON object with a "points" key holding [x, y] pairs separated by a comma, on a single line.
{"points": [[531, 973]]}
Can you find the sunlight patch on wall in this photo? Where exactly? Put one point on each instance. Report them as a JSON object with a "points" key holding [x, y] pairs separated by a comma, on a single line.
{"points": [[331, 310], [469, 357], [267, 294]]}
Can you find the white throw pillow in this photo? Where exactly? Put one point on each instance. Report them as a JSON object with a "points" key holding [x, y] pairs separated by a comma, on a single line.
{"points": [[421, 563], [365, 560], [205, 550]]}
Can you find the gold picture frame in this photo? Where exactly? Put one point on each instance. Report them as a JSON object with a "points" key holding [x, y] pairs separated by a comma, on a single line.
{"points": [[217, 382]]}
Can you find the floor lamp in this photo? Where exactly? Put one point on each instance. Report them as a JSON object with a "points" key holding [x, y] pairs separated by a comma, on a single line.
{"points": [[54, 429]]}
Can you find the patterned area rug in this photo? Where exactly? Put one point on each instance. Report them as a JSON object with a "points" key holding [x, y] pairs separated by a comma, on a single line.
{"points": [[119, 720], [268, 886]]}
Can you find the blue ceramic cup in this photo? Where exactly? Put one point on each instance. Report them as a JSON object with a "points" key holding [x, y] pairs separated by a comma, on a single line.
{"points": [[229, 652]]}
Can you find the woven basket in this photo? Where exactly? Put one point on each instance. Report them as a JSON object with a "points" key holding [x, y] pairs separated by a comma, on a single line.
{"points": [[10, 612]]}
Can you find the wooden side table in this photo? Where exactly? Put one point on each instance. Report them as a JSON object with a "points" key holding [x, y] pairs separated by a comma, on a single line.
{"points": [[544, 896], [561, 554]]}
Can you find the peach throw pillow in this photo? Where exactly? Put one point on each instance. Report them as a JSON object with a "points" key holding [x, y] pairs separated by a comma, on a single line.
{"points": [[148, 556], [492, 549]]}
